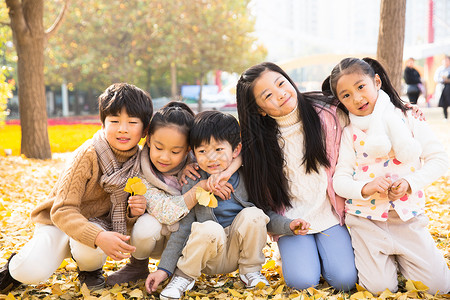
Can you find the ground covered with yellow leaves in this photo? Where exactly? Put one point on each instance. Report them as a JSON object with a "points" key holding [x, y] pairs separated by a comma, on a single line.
{"points": [[25, 182]]}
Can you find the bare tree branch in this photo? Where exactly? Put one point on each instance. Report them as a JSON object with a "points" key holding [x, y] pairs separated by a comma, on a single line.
{"points": [[52, 29], [16, 16], [5, 24]]}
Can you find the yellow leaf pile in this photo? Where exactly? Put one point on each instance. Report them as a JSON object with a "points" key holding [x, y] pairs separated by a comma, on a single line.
{"points": [[26, 182], [205, 198], [135, 186]]}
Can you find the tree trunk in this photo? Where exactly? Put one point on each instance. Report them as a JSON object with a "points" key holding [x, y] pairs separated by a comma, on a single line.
{"points": [[29, 37], [391, 37]]}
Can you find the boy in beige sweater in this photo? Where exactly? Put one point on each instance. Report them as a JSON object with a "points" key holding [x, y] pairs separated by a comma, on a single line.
{"points": [[87, 215]]}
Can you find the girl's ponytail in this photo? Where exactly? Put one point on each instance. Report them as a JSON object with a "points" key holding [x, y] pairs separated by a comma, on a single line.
{"points": [[386, 84], [326, 87], [367, 66], [328, 92]]}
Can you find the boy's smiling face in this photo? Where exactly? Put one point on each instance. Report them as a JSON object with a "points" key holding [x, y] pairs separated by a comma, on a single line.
{"points": [[123, 132], [215, 156]]}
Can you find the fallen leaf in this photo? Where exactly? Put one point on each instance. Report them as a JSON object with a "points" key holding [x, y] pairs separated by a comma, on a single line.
{"points": [[235, 293], [24, 183], [412, 285], [136, 293]]}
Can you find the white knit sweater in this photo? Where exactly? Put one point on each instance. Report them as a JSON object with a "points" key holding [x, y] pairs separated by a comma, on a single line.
{"points": [[308, 191]]}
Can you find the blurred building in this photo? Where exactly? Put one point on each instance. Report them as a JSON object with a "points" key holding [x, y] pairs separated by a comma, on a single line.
{"points": [[292, 29]]}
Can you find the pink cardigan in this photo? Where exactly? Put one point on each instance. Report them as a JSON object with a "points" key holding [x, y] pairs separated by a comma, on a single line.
{"points": [[333, 131]]}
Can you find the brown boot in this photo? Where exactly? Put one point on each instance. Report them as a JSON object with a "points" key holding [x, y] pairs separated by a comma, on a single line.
{"points": [[94, 280], [133, 271]]}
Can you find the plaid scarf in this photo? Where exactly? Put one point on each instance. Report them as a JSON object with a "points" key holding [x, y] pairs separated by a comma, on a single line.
{"points": [[113, 182]]}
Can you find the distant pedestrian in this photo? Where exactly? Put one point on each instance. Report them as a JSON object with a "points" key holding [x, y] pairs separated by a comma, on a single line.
{"points": [[413, 81], [441, 73], [444, 79]]}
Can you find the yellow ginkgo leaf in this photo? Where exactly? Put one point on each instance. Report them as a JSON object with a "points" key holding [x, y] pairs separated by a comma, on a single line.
{"points": [[386, 294], [56, 290], [136, 293], [130, 182], [120, 296], [138, 188], [260, 285], [360, 288], [205, 198], [135, 186], [361, 295], [10, 297], [279, 289], [412, 285], [235, 293], [270, 264]]}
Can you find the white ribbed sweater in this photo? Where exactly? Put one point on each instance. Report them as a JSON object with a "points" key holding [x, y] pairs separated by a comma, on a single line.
{"points": [[308, 191]]}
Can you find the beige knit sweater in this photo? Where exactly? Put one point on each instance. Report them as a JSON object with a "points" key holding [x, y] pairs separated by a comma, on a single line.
{"points": [[77, 196]]}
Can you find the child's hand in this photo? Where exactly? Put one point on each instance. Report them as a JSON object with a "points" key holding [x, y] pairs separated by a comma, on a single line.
{"points": [[299, 226], [154, 279], [223, 191], [219, 179], [190, 171], [137, 205], [398, 189], [416, 112], [114, 244], [380, 184]]}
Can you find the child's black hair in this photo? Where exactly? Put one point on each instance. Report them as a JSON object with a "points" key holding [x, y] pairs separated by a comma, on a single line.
{"points": [[367, 66], [217, 125], [262, 155], [173, 113], [136, 101]]}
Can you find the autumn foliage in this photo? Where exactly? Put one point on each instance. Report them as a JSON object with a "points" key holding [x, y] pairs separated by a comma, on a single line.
{"points": [[26, 182]]}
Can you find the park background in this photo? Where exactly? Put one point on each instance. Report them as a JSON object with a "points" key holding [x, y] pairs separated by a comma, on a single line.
{"points": [[175, 49]]}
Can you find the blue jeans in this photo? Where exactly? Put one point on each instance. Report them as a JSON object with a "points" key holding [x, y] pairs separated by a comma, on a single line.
{"points": [[306, 257]]}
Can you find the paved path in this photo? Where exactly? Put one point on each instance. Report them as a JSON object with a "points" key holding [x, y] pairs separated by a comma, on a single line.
{"points": [[441, 127]]}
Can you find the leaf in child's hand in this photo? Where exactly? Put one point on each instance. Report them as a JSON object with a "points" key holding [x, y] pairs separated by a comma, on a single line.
{"points": [[205, 198], [130, 182], [139, 188], [135, 186]]}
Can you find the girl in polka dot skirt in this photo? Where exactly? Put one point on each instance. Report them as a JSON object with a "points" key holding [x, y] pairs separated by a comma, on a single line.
{"points": [[385, 159]]}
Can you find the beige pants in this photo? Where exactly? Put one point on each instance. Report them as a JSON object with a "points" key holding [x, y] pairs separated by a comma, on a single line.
{"points": [[382, 248], [147, 238], [212, 249]]}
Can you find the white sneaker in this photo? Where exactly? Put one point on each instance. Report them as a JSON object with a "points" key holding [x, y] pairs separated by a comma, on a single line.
{"points": [[253, 278], [176, 287]]}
